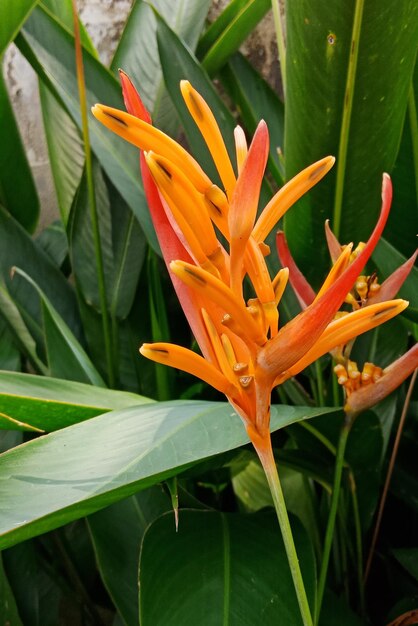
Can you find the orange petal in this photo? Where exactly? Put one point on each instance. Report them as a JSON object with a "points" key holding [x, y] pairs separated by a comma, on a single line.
{"points": [[289, 194], [337, 269], [301, 333], [205, 121], [345, 328], [187, 361], [241, 148], [390, 287], [146, 137], [216, 291], [244, 203]]}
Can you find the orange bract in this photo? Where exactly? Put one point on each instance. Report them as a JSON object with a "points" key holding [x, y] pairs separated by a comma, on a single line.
{"points": [[245, 351]]}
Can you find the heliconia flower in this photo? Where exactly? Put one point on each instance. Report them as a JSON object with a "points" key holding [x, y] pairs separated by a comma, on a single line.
{"points": [[245, 352]]}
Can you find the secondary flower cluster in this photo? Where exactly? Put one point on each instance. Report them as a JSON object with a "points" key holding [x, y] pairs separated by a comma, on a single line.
{"points": [[226, 291]]}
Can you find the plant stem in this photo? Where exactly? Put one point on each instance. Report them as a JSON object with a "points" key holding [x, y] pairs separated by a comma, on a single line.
{"points": [[359, 545], [346, 117], [265, 453], [107, 335], [339, 464]]}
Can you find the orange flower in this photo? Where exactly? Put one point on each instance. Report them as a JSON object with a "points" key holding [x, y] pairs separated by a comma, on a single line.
{"points": [[245, 352]]}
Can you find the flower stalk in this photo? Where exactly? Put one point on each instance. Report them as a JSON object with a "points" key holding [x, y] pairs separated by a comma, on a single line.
{"points": [[266, 456]]}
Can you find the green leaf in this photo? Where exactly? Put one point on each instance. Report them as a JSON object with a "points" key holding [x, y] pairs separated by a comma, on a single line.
{"points": [[408, 558], [50, 49], [66, 357], [65, 150], [21, 335], [50, 404], [78, 470], [18, 249], [388, 259], [220, 568], [117, 533], [186, 18], [256, 100], [17, 188], [242, 23], [9, 354], [403, 221], [8, 609], [37, 592], [354, 111], [12, 16], [53, 241]]}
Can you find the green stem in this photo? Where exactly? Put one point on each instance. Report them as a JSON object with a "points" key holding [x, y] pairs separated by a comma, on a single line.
{"points": [[339, 464], [359, 544], [107, 335], [281, 47], [266, 456], [346, 117]]}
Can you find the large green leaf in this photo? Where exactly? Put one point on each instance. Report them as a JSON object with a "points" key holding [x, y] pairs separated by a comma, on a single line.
{"points": [[29, 402], [80, 469], [17, 189], [49, 47], [220, 568], [352, 110], [186, 18], [117, 533], [12, 16]]}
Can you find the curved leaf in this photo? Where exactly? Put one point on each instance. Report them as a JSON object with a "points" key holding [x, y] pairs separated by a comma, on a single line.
{"points": [[80, 469]]}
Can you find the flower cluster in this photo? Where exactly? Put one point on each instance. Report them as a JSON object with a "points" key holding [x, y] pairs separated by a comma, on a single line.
{"points": [[226, 291]]}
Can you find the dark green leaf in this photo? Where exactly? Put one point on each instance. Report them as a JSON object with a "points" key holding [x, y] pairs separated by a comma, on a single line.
{"points": [[8, 609], [408, 558], [50, 404], [17, 189], [78, 470], [53, 241], [117, 534], [319, 45], [220, 568]]}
